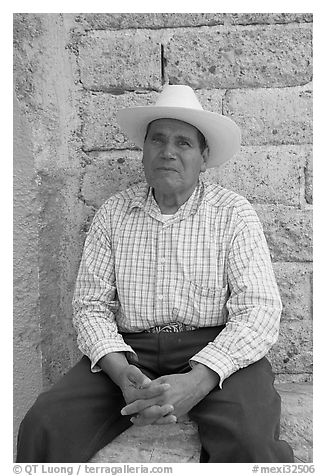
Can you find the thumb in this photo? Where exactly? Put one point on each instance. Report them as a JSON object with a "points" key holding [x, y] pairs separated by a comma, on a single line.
{"points": [[137, 378]]}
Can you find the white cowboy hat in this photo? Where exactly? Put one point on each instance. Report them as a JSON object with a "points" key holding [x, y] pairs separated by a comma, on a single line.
{"points": [[180, 102]]}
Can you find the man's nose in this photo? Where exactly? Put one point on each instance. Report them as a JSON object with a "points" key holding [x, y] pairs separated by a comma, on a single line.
{"points": [[169, 151]]}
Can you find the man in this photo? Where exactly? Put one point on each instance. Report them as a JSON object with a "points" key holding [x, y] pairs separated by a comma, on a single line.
{"points": [[176, 305]]}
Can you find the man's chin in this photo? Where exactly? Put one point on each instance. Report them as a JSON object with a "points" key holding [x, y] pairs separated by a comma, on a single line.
{"points": [[167, 184]]}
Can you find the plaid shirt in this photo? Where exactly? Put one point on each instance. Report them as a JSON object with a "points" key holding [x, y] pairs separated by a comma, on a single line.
{"points": [[205, 266]]}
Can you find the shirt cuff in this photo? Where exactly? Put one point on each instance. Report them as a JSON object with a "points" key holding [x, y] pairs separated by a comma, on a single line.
{"points": [[103, 347], [216, 360]]}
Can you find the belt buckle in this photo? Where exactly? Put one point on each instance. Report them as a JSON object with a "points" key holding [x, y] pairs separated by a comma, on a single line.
{"points": [[172, 327]]}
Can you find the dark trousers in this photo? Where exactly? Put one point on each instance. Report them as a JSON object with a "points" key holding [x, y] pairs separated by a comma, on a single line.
{"points": [[81, 413]]}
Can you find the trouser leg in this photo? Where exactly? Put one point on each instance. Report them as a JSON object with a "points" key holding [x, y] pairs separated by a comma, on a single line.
{"points": [[240, 423], [81, 413], [73, 420]]}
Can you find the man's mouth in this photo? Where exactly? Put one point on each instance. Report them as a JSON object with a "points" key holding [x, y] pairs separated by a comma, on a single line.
{"points": [[167, 169]]}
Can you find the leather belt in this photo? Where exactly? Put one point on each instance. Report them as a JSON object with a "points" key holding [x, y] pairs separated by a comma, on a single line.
{"points": [[172, 327]]}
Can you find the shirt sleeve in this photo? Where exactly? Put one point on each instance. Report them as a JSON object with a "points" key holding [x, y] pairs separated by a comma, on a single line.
{"points": [[254, 305], [95, 297]]}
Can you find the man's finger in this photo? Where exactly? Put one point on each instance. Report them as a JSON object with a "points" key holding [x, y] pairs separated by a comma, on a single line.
{"points": [[147, 388], [141, 404], [138, 406], [166, 420], [151, 415], [154, 393]]}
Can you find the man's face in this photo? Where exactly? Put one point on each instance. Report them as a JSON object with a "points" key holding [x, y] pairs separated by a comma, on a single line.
{"points": [[172, 157]]}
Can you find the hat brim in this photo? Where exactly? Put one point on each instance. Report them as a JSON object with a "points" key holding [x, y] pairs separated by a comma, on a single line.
{"points": [[223, 136]]}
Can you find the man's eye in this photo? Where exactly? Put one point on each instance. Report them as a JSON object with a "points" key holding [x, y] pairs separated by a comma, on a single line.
{"points": [[184, 143], [156, 139]]}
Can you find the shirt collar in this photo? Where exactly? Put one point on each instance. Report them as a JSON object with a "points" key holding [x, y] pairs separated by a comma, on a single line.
{"points": [[144, 199]]}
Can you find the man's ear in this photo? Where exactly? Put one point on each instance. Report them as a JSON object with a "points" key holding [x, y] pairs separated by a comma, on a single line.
{"points": [[204, 154]]}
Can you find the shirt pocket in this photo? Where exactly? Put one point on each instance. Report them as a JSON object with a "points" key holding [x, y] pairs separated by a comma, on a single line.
{"points": [[200, 305]]}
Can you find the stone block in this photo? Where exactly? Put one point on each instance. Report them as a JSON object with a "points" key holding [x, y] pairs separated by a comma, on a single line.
{"points": [[109, 172], [154, 444], [180, 443], [288, 232], [272, 116], [100, 128], [118, 21], [297, 419], [27, 28], [121, 59], [295, 285], [44, 75], [294, 378], [59, 244], [267, 18], [240, 57], [309, 180], [292, 353], [211, 99], [266, 174]]}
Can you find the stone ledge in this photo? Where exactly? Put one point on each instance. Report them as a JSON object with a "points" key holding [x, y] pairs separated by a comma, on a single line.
{"points": [[180, 443]]}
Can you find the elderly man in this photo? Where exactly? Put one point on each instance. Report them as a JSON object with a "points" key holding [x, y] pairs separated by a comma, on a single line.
{"points": [[175, 304]]}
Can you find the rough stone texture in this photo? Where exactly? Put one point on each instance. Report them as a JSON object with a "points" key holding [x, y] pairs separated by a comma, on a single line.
{"points": [[157, 444], [220, 57], [26, 32], [292, 353], [108, 173], [297, 419], [27, 361], [122, 60], [51, 108], [266, 174], [180, 443], [268, 18], [103, 21], [272, 116], [288, 232], [60, 243], [309, 180], [294, 378], [295, 283], [101, 130], [50, 97]]}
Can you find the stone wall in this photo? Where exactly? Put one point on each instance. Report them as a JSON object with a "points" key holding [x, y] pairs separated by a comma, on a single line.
{"points": [[73, 72], [27, 362]]}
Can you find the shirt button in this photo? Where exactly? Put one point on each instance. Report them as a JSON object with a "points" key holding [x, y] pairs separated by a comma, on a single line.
{"points": [[162, 260], [160, 297]]}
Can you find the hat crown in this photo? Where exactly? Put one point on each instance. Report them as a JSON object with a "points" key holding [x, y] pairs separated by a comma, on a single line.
{"points": [[178, 96]]}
